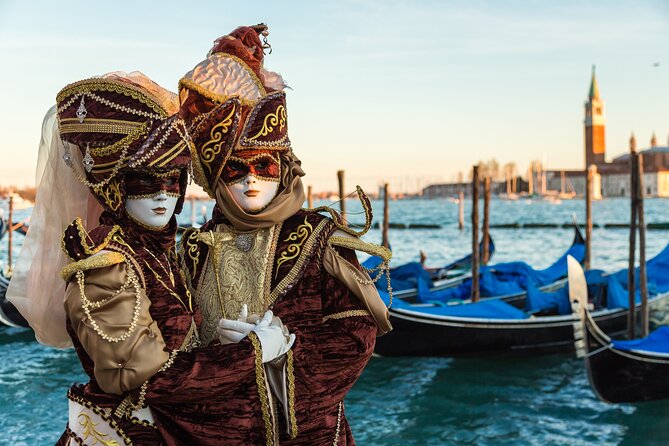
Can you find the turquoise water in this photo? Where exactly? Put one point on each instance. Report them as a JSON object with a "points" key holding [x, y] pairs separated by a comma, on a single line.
{"points": [[418, 401]]}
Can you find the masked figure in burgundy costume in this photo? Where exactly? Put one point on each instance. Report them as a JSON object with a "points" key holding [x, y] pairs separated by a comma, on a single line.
{"points": [[262, 251], [126, 309]]}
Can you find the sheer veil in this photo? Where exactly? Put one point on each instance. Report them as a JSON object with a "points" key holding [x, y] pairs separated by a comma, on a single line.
{"points": [[36, 288]]}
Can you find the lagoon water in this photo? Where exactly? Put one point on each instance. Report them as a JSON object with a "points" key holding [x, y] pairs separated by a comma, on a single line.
{"points": [[500, 400]]}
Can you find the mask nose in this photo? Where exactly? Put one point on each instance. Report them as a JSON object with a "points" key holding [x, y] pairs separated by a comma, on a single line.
{"points": [[250, 180], [161, 196]]}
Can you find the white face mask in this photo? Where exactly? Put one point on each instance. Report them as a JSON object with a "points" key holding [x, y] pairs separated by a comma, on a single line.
{"points": [[155, 211], [252, 194]]}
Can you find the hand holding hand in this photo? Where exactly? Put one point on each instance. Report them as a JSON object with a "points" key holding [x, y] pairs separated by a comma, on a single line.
{"points": [[274, 337], [232, 331]]}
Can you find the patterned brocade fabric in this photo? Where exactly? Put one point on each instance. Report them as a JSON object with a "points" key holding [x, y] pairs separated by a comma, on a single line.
{"points": [[329, 354]]}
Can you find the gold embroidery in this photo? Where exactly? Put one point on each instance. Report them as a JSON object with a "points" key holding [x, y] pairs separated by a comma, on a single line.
{"points": [[111, 194], [93, 262], [118, 239], [193, 249], [96, 84], [90, 431], [231, 277], [213, 147], [166, 287], [83, 236], [291, 394], [293, 250], [271, 121], [101, 413], [262, 390], [345, 314], [299, 263]]}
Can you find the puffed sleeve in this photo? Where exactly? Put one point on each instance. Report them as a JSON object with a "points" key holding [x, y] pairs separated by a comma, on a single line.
{"points": [[109, 312]]}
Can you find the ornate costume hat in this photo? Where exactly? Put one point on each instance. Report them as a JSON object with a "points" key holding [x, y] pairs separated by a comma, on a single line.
{"points": [[120, 123], [231, 103]]}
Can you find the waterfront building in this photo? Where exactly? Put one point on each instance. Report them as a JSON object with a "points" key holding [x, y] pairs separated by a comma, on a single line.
{"points": [[612, 179]]}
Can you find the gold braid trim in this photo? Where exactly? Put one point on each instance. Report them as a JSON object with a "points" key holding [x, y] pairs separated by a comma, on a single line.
{"points": [[121, 143], [93, 262], [169, 173], [102, 414], [345, 314], [359, 245], [262, 390], [335, 216], [291, 394], [98, 125], [83, 235], [299, 263], [124, 88]]}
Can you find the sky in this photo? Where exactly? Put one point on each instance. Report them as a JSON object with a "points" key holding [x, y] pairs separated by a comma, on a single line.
{"points": [[409, 92]]}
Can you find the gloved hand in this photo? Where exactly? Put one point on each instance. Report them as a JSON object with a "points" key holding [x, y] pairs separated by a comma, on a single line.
{"points": [[233, 331], [274, 337]]}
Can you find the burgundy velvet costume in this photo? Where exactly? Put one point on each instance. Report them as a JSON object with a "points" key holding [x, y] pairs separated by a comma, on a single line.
{"points": [[124, 124], [178, 395], [329, 356]]}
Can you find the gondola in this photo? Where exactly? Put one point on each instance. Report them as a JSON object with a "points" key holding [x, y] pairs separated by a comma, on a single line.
{"points": [[421, 288], [620, 371], [404, 278], [9, 315], [495, 326]]}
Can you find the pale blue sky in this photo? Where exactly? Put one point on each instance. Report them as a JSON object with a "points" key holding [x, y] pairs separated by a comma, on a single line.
{"points": [[410, 92]]}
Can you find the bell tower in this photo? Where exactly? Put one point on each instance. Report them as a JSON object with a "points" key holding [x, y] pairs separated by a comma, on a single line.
{"points": [[595, 145]]}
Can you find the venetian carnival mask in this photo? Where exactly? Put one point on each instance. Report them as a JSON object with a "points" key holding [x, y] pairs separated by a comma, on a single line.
{"points": [[152, 198], [253, 178]]}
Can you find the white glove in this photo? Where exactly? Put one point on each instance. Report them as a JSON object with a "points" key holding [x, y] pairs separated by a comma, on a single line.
{"points": [[232, 331], [274, 337]]}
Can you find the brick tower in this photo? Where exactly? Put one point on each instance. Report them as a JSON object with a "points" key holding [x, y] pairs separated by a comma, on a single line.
{"points": [[595, 144]]}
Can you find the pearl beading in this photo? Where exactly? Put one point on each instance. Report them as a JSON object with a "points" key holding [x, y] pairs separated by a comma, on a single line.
{"points": [[87, 305]]}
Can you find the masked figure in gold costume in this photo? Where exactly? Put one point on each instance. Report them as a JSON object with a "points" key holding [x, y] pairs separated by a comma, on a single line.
{"points": [[261, 251]]}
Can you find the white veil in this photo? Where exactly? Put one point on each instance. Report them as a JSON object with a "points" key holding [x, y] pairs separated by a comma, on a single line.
{"points": [[36, 288]]}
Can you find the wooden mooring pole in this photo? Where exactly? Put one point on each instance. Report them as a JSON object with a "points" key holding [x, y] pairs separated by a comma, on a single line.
{"points": [[475, 235], [461, 210], [193, 212], [643, 279], [386, 217], [310, 198], [589, 192], [10, 232], [342, 199], [631, 288], [486, 221]]}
